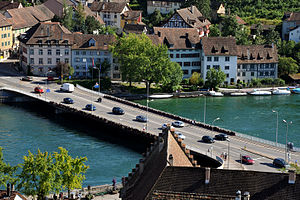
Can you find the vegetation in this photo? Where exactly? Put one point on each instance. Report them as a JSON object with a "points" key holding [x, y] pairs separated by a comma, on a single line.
{"points": [[286, 66], [196, 79], [202, 5], [7, 172], [214, 78], [142, 61], [63, 69]]}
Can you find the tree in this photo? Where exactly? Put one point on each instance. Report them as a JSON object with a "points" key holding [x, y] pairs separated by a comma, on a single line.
{"points": [[39, 175], [174, 74], [64, 69], [67, 20], [7, 172], [79, 21], [214, 78], [272, 37], [229, 26], [242, 36], [285, 48], [91, 24], [141, 60], [202, 5], [214, 31], [196, 79], [286, 66], [156, 18], [110, 30], [71, 170]]}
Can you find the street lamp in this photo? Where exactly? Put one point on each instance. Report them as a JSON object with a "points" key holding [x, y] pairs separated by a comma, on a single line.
{"points": [[228, 151], [98, 78], [212, 124], [287, 129], [204, 113], [49, 71], [274, 111], [147, 87]]}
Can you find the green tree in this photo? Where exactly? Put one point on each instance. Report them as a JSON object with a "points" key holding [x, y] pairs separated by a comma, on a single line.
{"points": [[155, 18], [196, 79], [242, 36], [71, 170], [107, 30], [79, 20], [286, 66], [38, 175], [202, 5], [67, 20], [174, 77], [214, 31], [215, 78], [285, 48], [64, 69], [91, 24], [7, 172], [256, 82], [229, 26], [272, 37]]}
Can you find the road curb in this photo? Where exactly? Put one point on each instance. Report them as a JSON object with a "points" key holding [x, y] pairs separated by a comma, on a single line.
{"points": [[257, 153]]}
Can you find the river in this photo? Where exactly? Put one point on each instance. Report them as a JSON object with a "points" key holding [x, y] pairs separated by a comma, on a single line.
{"points": [[23, 128], [250, 115]]}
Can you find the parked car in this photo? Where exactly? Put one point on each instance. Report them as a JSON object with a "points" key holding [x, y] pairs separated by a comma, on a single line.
{"points": [[68, 100], [118, 111], [141, 118], [178, 124], [26, 78], [207, 139], [279, 162], [38, 90], [180, 135], [221, 136], [90, 107], [247, 160]]}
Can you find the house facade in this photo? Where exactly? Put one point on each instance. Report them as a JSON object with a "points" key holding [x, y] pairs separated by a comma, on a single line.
{"points": [[110, 12], [183, 47], [294, 34], [164, 6], [131, 17], [290, 21], [219, 53], [6, 41], [189, 18], [256, 61]]}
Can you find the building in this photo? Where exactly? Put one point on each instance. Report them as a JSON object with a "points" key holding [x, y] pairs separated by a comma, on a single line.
{"points": [[219, 53], [58, 6], [291, 20], [294, 34], [6, 41], [183, 47], [136, 28], [164, 6], [91, 50], [22, 19], [131, 17], [110, 12], [189, 18], [6, 5], [43, 46], [256, 61]]}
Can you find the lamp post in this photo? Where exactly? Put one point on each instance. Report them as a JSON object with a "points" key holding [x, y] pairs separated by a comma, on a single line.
{"points": [[228, 151], [147, 87], [212, 124], [61, 71], [204, 113], [47, 84], [274, 111], [287, 130], [98, 79]]}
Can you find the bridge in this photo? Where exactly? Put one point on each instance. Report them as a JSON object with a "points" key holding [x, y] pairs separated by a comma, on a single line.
{"points": [[262, 152]]}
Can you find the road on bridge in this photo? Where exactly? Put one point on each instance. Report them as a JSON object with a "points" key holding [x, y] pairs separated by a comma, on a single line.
{"points": [[261, 153]]}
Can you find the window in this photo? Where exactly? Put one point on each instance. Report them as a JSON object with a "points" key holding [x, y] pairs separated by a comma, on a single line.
{"points": [[31, 60], [116, 76], [116, 68], [261, 73], [57, 60], [180, 63], [66, 51], [252, 73], [171, 55], [195, 63], [244, 66], [77, 59], [267, 73], [76, 52], [49, 61], [31, 52], [216, 59], [261, 66], [40, 60], [83, 53], [272, 65], [272, 73], [66, 60], [186, 64], [58, 52], [267, 66], [116, 16], [227, 75], [49, 52], [252, 66], [207, 66], [226, 67], [244, 74], [177, 55], [216, 67], [185, 71], [239, 66], [238, 74], [8, 42], [8, 35], [208, 59], [227, 58], [40, 51]]}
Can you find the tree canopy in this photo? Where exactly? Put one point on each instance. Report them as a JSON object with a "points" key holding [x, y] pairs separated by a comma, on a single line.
{"points": [[7, 172], [142, 61], [286, 66], [214, 78], [202, 5]]}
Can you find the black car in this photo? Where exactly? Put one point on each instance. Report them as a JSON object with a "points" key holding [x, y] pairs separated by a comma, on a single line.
{"points": [[118, 111], [90, 107], [68, 100], [141, 118], [221, 136], [207, 139], [279, 162], [26, 78]]}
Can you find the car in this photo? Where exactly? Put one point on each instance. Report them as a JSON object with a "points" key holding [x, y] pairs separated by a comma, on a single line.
{"points": [[90, 107], [118, 111], [180, 135], [99, 100], [221, 136], [178, 124], [280, 162], [207, 139], [247, 160], [68, 100], [141, 118], [26, 78], [165, 126], [38, 90]]}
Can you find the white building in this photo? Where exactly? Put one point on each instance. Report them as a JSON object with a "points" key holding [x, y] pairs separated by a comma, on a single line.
{"points": [[219, 53], [290, 22], [164, 6], [183, 47], [294, 34]]}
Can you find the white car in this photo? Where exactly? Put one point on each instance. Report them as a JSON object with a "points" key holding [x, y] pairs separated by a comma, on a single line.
{"points": [[178, 124], [165, 125], [180, 135]]}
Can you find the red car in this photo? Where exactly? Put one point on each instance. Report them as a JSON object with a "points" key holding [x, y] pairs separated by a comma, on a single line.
{"points": [[38, 90], [247, 160]]}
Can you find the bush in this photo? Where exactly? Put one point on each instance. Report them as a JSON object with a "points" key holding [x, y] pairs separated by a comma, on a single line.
{"points": [[185, 81], [279, 82], [266, 81]]}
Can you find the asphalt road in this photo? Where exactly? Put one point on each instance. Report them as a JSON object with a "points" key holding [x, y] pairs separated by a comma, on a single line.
{"points": [[261, 153]]}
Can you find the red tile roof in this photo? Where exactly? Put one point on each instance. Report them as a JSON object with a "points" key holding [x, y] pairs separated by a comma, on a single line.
{"points": [[4, 21], [220, 46], [102, 41], [257, 54], [6, 5], [240, 20], [115, 7], [293, 16], [132, 14], [193, 17]]}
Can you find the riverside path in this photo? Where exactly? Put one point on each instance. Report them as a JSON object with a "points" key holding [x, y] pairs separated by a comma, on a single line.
{"points": [[262, 153]]}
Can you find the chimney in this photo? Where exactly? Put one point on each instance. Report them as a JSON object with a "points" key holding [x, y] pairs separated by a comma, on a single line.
{"points": [[246, 196], [192, 9], [238, 195], [207, 175], [292, 176], [8, 190], [171, 160]]}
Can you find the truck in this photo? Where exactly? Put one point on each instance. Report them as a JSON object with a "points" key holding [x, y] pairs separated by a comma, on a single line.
{"points": [[67, 87]]}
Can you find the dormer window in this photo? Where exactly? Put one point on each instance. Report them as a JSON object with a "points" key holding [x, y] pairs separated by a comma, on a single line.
{"points": [[268, 56], [224, 50], [214, 50], [92, 42]]}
